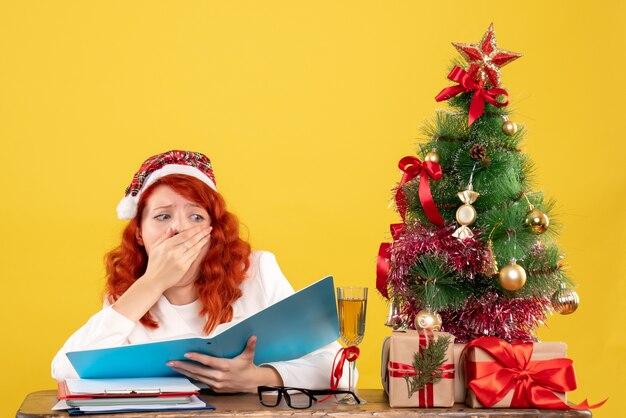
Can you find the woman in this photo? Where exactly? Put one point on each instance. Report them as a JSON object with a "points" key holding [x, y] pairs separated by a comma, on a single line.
{"points": [[182, 270]]}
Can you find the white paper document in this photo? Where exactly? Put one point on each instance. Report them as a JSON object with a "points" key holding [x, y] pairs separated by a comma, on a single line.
{"points": [[129, 385], [195, 403]]}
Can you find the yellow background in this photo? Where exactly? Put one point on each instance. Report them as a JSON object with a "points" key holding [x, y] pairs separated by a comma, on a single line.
{"points": [[305, 109]]}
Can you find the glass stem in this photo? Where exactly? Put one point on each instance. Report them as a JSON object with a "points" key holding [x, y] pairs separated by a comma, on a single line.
{"points": [[351, 371]]}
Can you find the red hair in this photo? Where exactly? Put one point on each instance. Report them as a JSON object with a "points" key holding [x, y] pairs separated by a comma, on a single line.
{"points": [[222, 270]]}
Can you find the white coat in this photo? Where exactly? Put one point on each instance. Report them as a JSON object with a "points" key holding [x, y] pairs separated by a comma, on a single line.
{"points": [[264, 285]]}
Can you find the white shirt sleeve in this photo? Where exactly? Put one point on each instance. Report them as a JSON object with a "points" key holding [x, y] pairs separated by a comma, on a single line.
{"points": [[107, 328], [312, 371]]}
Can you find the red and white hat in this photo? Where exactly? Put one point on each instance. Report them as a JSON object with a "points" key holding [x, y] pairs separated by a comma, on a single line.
{"points": [[193, 164]]}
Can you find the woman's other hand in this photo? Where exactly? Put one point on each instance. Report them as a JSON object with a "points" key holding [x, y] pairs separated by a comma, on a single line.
{"points": [[239, 374]]}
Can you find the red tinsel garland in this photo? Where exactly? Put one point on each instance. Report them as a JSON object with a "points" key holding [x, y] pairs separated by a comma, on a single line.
{"points": [[464, 256], [512, 319]]}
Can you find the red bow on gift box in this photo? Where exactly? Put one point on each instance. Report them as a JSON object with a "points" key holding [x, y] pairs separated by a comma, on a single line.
{"points": [[533, 382]]}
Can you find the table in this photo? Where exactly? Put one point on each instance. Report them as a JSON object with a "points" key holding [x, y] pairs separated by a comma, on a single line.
{"points": [[38, 404]]}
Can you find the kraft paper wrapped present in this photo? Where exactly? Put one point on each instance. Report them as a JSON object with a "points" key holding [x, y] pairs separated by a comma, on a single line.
{"points": [[384, 361], [459, 383], [397, 370], [487, 376]]}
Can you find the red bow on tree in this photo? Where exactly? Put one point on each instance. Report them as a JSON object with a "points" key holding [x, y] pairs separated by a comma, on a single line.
{"points": [[533, 382], [467, 83], [411, 167], [383, 260]]}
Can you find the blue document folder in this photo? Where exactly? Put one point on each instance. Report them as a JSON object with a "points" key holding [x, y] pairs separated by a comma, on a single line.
{"points": [[291, 328]]}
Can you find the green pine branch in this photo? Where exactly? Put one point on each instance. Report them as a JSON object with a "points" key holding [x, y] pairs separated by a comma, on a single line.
{"points": [[427, 362], [436, 285]]}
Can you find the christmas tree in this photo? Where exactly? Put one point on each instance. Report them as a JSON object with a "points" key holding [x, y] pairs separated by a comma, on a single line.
{"points": [[475, 254]]}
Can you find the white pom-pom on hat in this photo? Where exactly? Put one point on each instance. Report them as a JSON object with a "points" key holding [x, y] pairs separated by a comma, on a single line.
{"points": [[127, 208]]}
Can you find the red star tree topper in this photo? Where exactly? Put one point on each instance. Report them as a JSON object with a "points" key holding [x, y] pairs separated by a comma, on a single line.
{"points": [[485, 58]]}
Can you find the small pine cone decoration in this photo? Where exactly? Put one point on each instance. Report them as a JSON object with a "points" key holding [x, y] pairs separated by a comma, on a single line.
{"points": [[478, 152]]}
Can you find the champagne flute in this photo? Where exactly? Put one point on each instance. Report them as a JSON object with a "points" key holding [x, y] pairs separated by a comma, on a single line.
{"points": [[352, 304]]}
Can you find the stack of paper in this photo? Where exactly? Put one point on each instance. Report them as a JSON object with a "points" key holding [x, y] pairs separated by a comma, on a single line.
{"points": [[93, 396]]}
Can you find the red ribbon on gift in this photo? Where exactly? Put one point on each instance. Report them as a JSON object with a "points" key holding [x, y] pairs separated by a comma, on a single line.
{"points": [[467, 83], [412, 167], [426, 395], [402, 369], [533, 382]]}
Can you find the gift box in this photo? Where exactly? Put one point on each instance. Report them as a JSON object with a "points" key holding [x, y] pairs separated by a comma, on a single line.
{"points": [[408, 387], [459, 383], [526, 375]]}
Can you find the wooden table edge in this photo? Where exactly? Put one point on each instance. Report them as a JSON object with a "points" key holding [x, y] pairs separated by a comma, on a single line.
{"points": [[38, 404]]}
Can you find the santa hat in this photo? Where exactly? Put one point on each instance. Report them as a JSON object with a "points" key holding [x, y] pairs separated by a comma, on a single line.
{"points": [[193, 164]]}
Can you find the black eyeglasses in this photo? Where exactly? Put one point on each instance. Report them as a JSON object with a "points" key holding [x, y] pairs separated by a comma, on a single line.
{"points": [[295, 398]]}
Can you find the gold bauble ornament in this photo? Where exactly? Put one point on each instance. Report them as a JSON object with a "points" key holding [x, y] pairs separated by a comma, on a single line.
{"points": [[512, 276], [427, 319], [509, 128], [432, 156], [565, 301], [537, 221]]}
